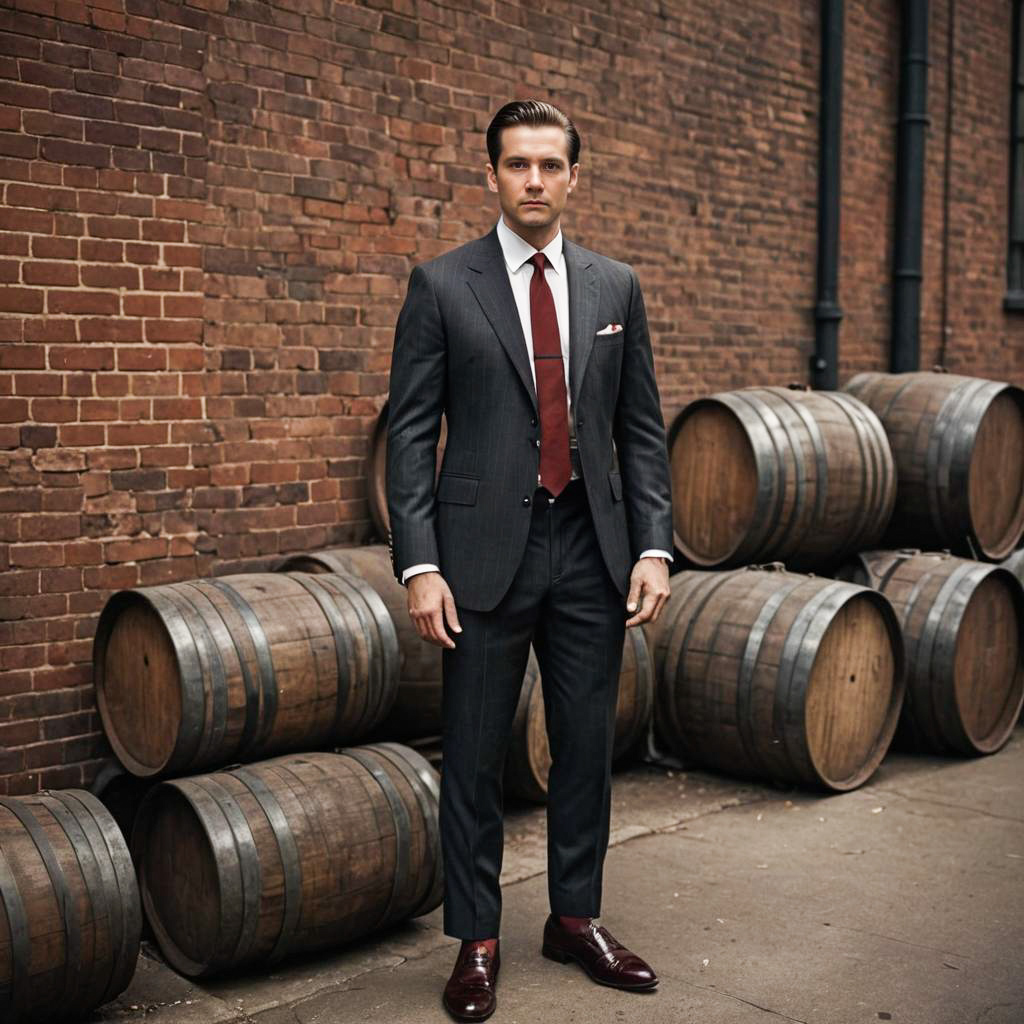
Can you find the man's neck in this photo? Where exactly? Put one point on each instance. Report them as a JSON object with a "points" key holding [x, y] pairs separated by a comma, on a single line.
{"points": [[537, 237]]}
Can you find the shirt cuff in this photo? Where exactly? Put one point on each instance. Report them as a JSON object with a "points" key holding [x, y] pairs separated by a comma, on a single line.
{"points": [[414, 569], [656, 551]]}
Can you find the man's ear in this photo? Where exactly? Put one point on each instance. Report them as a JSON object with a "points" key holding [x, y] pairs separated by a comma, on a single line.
{"points": [[574, 174], [492, 180]]}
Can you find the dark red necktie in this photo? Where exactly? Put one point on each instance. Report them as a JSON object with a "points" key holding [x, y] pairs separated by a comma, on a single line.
{"points": [[555, 468]]}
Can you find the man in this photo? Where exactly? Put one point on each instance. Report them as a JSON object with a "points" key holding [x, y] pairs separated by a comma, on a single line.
{"points": [[550, 523]]}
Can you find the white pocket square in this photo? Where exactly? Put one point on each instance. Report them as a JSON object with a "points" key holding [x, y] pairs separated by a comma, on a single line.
{"points": [[611, 329]]}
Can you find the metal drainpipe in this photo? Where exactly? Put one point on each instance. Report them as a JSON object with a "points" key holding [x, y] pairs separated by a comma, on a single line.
{"points": [[905, 349], [827, 312]]}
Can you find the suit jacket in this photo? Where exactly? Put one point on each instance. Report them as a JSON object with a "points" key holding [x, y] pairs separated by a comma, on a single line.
{"points": [[459, 350]]}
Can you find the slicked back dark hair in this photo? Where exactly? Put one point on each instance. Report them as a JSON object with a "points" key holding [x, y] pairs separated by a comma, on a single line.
{"points": [[536, 114]]}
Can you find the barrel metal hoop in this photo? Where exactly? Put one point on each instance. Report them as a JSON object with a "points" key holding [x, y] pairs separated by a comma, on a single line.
{"points": [[124, 909], [676, 653], [14, 995], [951, 600], [249, 869], [268, 677], [915, 671], [748, 663], [290, 860], [389, 648], [229, 877], [887, 576], [62, 892], [89, 868], [769, 471], [208, 653], [798, 653], [821, 466], [342, 648], [403, 828], [193, 693], [218, 729], [941, 468], [867, 503], [398, 756], [340, 585]]}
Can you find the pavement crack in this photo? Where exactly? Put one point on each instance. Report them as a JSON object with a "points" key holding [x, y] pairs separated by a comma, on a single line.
{"points": [[958, 807], [905, 942], [740, 999]]}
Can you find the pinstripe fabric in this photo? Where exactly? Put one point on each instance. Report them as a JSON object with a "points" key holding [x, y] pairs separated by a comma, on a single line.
{"points": [[459, 349]]}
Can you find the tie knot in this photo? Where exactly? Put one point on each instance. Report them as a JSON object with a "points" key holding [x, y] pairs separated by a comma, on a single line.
{"points": [[539, 260]]}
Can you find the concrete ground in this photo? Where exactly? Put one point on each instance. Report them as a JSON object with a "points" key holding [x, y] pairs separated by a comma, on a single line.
{"points": [[900, 901]]}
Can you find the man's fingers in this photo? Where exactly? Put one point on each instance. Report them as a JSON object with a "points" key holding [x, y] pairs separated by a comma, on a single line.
{"points": [[635, 603], [450, 613], [437, 629]]}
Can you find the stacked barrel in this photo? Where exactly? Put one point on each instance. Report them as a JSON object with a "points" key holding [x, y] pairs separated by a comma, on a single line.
{"points": [[258, 827], [799, 678]]}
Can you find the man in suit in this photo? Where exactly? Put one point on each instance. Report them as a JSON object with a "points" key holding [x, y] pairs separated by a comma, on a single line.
{"points": [[550, 523]]}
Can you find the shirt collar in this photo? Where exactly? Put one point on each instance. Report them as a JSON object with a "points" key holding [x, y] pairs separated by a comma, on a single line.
{"points": [[517, 251]]}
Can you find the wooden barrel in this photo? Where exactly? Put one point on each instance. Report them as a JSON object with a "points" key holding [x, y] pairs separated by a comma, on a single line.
{"points": [[762, 473], [771, 674], [377, 483], [200, 673], [957, 442], [529, 756], [290, 855], [71, 918], [963, 631], [416, 711]]}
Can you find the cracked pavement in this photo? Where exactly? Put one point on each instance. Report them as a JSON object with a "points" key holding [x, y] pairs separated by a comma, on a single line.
{"points": [[900, 901]]}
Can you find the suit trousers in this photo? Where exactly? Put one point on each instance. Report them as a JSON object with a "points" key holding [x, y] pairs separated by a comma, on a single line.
{"points": [[563, 600]]}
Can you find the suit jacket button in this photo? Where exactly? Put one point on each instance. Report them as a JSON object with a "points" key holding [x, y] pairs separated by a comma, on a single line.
{"points": [[533, 421], [526, 501]]}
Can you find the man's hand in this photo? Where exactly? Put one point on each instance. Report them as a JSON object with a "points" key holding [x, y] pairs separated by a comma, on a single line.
{"points": [[648, 590], [430, 604]]}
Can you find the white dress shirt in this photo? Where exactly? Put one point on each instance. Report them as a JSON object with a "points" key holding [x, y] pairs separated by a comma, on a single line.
{"points": [[518, 255]]}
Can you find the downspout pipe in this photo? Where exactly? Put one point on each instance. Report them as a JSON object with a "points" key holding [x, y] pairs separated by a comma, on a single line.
{"points": [[827, 312], [905, 348]]}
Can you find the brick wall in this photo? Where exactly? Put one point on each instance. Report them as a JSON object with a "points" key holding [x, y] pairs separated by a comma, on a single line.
{"points": [[209, 212]]}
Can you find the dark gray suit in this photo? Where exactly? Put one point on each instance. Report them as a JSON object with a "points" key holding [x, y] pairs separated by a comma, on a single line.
{"points": [[522, 569]]}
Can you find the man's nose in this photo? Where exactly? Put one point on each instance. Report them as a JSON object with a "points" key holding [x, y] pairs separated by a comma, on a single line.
{"points": [[534, 179]]}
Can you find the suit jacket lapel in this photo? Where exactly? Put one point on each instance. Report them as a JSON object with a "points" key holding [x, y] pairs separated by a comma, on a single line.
{"points": [[584, 292], [488, 279]]}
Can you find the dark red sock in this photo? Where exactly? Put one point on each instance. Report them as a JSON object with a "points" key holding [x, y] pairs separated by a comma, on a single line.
{"points": [[491, 944]]}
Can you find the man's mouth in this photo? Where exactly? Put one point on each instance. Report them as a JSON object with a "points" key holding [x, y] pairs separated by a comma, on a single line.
{"points": [[534, 202]]}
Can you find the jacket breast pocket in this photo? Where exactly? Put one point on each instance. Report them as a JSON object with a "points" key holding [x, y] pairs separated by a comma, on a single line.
{"points": [[608, 340], [457, 490], [615, 482]]}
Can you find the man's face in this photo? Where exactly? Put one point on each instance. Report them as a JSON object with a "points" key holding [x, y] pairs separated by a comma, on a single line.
{"points": [[533, 178]]}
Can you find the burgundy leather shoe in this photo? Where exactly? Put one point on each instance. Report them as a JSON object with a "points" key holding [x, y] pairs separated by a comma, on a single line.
{"points": [[604, 958], [469, 994]]}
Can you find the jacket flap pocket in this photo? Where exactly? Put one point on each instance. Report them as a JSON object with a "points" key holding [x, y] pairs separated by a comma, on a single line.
{"points": [[616, 484], [459, 490]]}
